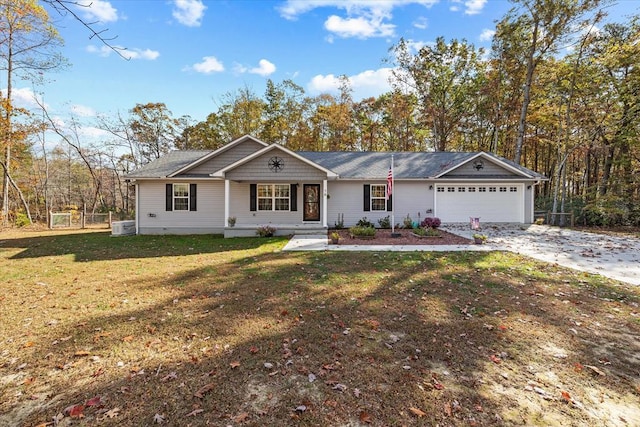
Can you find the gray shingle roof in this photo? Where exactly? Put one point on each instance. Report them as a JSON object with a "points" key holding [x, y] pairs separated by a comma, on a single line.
{"points": [[168, 164], [347, 164]]}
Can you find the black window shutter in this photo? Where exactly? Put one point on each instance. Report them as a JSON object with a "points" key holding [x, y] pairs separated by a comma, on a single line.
{"points": [[367, 198], [389, 203], [293, 194], [169, 200], [193, 197], [253, 196]]}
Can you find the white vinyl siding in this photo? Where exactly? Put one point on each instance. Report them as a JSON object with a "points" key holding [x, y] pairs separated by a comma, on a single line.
{"points": [[154, 219], [345, 198]]}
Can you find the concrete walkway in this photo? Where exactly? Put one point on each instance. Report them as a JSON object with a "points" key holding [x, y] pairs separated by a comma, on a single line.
{"points": [[611, 256]]}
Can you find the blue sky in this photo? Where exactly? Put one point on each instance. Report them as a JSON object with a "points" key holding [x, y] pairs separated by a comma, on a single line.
{"points": [[189, 53]]}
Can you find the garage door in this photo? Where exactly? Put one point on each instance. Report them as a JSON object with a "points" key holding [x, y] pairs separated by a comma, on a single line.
{"points": [[490, 203]]}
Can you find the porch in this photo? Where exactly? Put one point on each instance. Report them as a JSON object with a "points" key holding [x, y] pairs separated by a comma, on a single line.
{"points": [[249, 230]]}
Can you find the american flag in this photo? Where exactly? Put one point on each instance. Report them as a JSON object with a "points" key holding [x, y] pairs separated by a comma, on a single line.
{"points": [[389, 182]]}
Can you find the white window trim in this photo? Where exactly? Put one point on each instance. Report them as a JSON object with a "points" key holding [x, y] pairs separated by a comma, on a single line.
{"points": [[187, 197], [372, 198], [273, 198]]}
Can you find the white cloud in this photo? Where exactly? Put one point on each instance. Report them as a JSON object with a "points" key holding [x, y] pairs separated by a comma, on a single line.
{"points": [[421, 23], [365, 18], [291, 9], [83, 111], [189, 12], [133, 53], [22, 97], [98, 10], [365, 84], [473, 7], [208, 65], [264, 68], [360, 27], [486, 35]]}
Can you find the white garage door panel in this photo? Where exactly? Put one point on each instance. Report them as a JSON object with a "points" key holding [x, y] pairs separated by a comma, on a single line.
{"points": [[498, 206]]}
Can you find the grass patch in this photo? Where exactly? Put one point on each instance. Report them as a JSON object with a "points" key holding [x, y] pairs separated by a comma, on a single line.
{"points": [[200, 330]]}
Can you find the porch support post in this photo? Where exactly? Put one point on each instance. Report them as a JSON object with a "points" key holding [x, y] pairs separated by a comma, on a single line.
{"points": [[324, 204], [226, 202]]}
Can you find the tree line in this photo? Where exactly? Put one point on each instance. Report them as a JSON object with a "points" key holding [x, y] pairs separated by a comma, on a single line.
{"points": [[557, 92]]}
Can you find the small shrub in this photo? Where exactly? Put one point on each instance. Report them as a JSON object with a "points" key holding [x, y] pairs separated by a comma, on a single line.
{"points": [[22, 220], [359, 231], [364, 222], [426, 232], [385, 222], [339, 224], [266, 231], [407, 222], [431, 222], [480, 237], [231, 221]]}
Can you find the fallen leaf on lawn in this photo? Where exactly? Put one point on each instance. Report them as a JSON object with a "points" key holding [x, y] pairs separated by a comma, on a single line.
{"points": [[365, 417], [340, 387], [240, 418], [447, 409], [28, 344], [28, 381], [93, 401], [417, 412], [578, 367], [301, 408], [158, 419], [75, 411], [595, 369], [204, 390], [112, 413], [253, 349], [195, 412], [566, 396], [81, 353], [128, 338], [234, 364], [169, 376], [495, 359]]}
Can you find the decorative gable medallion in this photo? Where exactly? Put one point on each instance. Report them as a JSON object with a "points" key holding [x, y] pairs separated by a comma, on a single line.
{"points": [[276, 164], [478, 165]]}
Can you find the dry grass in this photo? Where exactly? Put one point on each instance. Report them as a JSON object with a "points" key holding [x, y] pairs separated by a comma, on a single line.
{"points": [[206, 331]]}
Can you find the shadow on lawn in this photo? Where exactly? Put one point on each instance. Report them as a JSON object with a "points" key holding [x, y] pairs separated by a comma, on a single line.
{"points": [[379, 333], [95, 246]]}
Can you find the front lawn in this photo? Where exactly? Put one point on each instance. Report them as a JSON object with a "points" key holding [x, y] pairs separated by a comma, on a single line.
{"points": [[200, 330]]}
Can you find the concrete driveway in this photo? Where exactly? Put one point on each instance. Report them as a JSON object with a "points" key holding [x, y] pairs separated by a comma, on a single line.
{"points": [[611, 256]]}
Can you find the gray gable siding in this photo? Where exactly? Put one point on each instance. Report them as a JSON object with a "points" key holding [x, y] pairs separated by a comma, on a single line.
{"points": [[489, 169], [258, 170], [232, 155]]}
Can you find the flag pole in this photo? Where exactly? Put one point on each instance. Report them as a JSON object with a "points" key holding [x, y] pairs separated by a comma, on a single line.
{"points": [[393, 187]]}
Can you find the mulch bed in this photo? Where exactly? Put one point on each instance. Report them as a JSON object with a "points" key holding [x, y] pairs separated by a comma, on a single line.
{"points": [[383, 237]]}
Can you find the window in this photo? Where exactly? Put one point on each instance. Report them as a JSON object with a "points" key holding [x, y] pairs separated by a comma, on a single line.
{"points": [[273, 197], [440, 189], [492, 189], [513, 189], [472, 189], [378, 197], [461, 189], [503, 189], [181, 197], [482, 189], [451, 189]]}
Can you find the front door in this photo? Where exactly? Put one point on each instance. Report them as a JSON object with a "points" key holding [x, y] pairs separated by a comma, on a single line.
{"points": [[311, 194]]}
